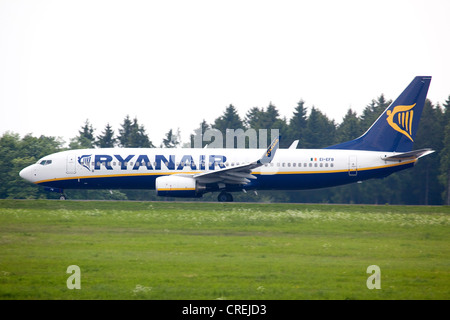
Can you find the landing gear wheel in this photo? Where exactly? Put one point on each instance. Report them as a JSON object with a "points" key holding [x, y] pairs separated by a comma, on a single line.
{"points": [[225, 197], [62, 197]]}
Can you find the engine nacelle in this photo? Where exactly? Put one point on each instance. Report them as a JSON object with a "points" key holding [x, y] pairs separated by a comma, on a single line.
{"points": [[177, 186]]}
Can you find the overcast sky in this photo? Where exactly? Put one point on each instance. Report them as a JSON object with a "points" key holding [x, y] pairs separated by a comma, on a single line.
{"points": [[173, 63]]}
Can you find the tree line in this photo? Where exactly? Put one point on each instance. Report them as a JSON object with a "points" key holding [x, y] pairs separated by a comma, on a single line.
{"points": [[427, 184]]}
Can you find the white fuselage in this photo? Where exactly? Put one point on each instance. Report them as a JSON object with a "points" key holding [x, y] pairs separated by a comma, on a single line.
{"points": [[126, 168]]}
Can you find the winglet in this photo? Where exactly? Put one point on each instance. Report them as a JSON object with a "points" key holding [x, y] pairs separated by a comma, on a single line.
{"points": [[270, 152]]}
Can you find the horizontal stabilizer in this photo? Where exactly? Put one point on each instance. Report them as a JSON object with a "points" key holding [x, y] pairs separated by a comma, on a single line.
{"points": [[416, 154]]}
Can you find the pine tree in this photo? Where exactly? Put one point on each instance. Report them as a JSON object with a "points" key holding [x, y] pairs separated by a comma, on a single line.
{"points": [[125, 133], [430, 135], [252, 118], [297, 124], [133, 135], [197, 138], [444, 176], [87, 131], [268, 119], [350, 127], [85, 138], [373, 111], [171, 140], [230, 119], [140, 137], [106, 139], [320, 131]]}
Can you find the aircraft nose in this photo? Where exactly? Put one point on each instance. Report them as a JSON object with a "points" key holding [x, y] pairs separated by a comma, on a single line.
{"points": [[27, 173]]}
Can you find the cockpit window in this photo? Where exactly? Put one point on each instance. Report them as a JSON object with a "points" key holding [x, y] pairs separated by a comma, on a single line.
{"points": [[45, 162]]}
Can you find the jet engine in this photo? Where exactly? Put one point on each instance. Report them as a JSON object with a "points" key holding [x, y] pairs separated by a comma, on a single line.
{"points": [[178, 186]]}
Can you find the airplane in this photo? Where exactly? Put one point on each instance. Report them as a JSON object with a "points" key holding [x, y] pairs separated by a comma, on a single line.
{"points": [[385, 148]]}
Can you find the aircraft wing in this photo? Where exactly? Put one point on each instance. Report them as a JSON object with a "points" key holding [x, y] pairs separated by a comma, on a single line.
{"points": [[240, 174]]}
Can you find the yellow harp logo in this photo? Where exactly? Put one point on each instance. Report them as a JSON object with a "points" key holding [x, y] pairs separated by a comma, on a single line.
{"points": [[401, 119]]}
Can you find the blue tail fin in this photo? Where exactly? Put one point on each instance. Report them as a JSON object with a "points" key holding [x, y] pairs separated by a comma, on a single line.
{"points": [[396, 128]]}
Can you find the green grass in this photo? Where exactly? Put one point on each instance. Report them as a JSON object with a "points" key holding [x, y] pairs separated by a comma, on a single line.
{"points": [[166, 250]]}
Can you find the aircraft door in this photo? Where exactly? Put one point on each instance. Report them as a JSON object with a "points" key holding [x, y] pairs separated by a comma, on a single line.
{"points": [[352, 166], [71, 164]]}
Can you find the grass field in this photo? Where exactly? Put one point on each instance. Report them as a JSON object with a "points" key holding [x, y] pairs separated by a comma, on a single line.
{"points": [[166, 250]]}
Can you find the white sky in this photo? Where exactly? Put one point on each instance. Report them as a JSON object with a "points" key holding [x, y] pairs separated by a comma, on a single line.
{"points": [[173, 63]]}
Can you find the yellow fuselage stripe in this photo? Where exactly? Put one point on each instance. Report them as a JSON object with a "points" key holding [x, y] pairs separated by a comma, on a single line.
{"points": [[177, 189]]}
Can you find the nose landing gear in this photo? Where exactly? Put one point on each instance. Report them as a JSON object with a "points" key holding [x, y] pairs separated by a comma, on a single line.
{"points": [[62, 196]]}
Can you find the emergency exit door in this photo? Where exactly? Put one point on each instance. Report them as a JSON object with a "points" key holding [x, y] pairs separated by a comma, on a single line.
{"points": [[71, 164], [352, 166]]}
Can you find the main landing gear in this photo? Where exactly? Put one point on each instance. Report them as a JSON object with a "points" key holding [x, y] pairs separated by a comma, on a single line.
{"points": [[225, 197]]}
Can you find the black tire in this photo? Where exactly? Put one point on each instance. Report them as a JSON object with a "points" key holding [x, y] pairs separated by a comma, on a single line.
{"points": [[225, 197]]}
